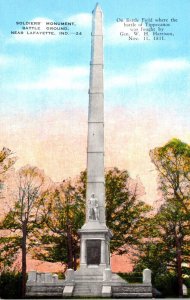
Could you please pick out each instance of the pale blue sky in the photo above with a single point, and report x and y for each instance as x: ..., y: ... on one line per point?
x: 29, y: 61
x: 147, y: 82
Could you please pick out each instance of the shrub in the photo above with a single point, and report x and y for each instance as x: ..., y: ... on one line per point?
x: 166, y: 284
x: 133, y: 277
x: 10, y: 285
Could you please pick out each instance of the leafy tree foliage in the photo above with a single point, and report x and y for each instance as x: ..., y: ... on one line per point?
x: 170, y: 227
x: 9, y: 246
x: 7, y: 160
x: 126, y: 213
x: 63, y: 216
x: 25, y: 216
x: 172, y: 162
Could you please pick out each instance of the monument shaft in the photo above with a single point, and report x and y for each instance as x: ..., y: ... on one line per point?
x: 95, y: 148
x: 95, y: 235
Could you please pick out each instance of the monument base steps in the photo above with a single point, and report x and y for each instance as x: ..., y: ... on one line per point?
x: 87, y: 289
x: 88, y: 282
x: 88, y: 278
x: 132, y: 291
x: 44, y: 290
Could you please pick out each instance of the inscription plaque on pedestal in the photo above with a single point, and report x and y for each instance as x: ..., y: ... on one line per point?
x: 93, y: 248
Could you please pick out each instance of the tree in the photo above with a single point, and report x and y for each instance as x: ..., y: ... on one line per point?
x: 172, y: 161
x: 25, y: 216
x: 126, y: 213
x: 7, y: 160
x: 166, y: 248
x: 63, y: 215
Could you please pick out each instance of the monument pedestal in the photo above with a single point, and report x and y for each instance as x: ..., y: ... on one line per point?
x: 94, y: 259
x: 94, y: 277
x: 95, y: 240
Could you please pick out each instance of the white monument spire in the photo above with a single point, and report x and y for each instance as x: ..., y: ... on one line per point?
x: 95, y: 235
x: 95, y: 151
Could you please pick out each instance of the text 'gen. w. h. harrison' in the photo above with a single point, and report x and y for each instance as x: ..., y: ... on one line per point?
x: 94, y: 277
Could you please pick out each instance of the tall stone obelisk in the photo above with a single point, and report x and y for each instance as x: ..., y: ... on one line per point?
x: 95, y: 235
x: 95, y: 150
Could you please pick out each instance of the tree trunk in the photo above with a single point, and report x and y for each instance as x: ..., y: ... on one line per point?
x: 179, y: 268
x: 74, y: 260
x: 24, y: 235
x: 69, y: 248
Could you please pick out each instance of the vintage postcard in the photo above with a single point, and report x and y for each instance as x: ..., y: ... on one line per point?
x: 45, y: 59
